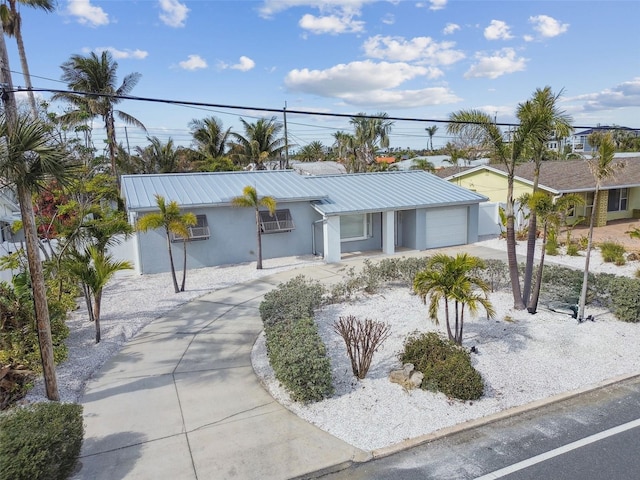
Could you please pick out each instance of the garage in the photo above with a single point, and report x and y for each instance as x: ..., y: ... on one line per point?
x: 446, y: 227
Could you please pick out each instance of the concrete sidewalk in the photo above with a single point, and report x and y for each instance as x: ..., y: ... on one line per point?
x: 181, y: 400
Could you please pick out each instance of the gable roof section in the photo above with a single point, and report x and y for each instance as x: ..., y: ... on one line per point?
x: 206, y: 189
x: 383, y: 191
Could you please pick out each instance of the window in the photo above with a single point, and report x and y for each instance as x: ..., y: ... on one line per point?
x: 200, y: 231
x: 355, y: 227
x: 280, y: 221
x: 617, y: 200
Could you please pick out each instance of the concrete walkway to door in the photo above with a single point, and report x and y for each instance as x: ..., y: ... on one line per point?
x: 181, y: 400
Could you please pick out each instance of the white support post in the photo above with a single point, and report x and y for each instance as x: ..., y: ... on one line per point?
x: 331, y: 237
x: 388, y: 233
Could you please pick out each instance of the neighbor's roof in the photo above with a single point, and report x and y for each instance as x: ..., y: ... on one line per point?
x: 204, y: 189
x: 383, y: 191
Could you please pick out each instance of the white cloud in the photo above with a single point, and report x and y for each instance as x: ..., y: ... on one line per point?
x: 497, y: 30
x: 389, y: 19
x: 496, y: 65
x: 332, y: 24
x: 528, y: 38
x: 244, y: 65
x: 87, y: 13
x: 437, y: 4
x: 419, y: 49
x: 120, y: 54
x: 547, y: 26
x: 370, y: 84
x: 193, y: 62
x: 270, y: 7
x: 626, y: 94
x: 174, y: 13
x: 450, y: 28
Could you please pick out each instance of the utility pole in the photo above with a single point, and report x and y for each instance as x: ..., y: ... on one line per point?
x: 286, y: 138
x: 38, y: 286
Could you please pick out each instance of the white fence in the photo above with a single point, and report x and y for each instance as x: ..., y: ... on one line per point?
x: 489, y: 222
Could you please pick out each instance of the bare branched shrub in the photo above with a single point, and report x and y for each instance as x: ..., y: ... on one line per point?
x: 362, y: 340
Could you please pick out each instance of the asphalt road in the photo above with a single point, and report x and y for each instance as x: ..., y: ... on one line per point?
x: 575, y: 426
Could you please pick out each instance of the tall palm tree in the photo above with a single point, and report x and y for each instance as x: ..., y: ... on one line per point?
x: 431, y: 131
x: 94, y: 269
x: 454, y: 279
x: 544, y: 104
x: 158, y: 157
x: 12, y: 26
x: 97, y: 74
x: 28, y: 159
x: 312, y: 152
x: 370, y: 134
x: 261, y: 141
x: 210, y: 137
x: 250, y: 199
x: 172, y: 221
x: 602, y: 168
x: 480, y: 127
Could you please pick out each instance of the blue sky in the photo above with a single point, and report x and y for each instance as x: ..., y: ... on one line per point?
x: 410, y: 59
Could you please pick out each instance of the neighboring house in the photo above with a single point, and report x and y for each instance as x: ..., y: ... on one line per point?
x: 321, y: 215
x: 326, y: 167
x: 619, y: 197
x: 9, y: 213
x: 440, y: 161
x: 580, y: 140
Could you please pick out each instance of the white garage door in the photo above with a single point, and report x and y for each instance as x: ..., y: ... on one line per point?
x: 446, y: 227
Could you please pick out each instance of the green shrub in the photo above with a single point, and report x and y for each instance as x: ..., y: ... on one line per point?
x: 613, y: 252
x: 446, y: 367
x: 299, y: 359
x: 625, y: 299
x: 295, y: 299
x: 551, y: 247
x: 495, y: 274
x: 41, y: 441
x: 573, y: 250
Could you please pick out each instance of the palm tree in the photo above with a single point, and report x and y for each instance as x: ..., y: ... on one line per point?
x: 480, y: 127
x: 312, y: 152
x: 28, y: 160
x: 370, y: 134
x: 209, y: 137
x: 602, y: 168
x: 95, y: 74
x: 431, y: 131
x: 454, y: 279
x: 173, y: 222
x: 250, y: 199
x: 158, y: 157
x: 12, y: 26
x: 94, y: 269
x: 555, y: 122
x: 422, y: 164
x: 261, y: 141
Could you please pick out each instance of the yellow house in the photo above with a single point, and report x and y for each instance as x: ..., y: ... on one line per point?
x: 619, y: 196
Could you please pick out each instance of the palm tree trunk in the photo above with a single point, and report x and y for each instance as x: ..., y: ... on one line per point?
x: 512, y: 260
x: 87, y: 298
x: 259, y: 264
x: 43, y: 323
x: 171, y: 264
x: 111, y: 142
x: 459, y: 339
x: 585, y: 278
x: 532, y: 306
x: 97, y: 300
x: 446, y: 314
x: 531, y: 245
x: 25, y: 66
x: 184, y: 264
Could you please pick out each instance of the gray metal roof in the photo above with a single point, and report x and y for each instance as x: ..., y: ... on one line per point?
x: 374, y: 192
x: 204, y: 189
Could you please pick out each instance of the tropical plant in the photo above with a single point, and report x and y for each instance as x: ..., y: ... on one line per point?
x: 454, y: 279
x: 422, y: 164
x: 158, y: 157
x: 209, y: 137
x: 541, y: 108
x: 96, y: 75
x: 261, y: 141
x: 602, y: 167
x: 370, y: 134
x: 312, y: 152
x: 172, y: 221
x: 94, y: 269
x: 28, y: 159
x: 343, y: 147
x: 12, y: 26
x: 250, y: 199
x: 431, y: 131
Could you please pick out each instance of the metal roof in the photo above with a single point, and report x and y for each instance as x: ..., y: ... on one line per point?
x: 383, y: 191
x: 204, y: 189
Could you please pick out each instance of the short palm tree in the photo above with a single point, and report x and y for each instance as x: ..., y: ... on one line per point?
x: 422, y: 164
x: 250, y: 199
x: 94, y: 269
x: 453, y: 279
x: 370, y: 134
x: 97, y: 74
x: 312, y: 152
x: 602, y: 168
x: 172, y: 221
x: 158, y: 157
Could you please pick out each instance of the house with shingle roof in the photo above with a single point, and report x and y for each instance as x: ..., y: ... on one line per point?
x: 324, y: 215
x: 619, y: 197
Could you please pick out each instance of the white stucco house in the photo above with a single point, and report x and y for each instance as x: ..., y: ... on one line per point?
x: 325, y: 215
